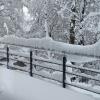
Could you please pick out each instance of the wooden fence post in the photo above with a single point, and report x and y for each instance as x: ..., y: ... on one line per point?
x: 31, y: 60
x: 64, y: 72
x: 7, y: 57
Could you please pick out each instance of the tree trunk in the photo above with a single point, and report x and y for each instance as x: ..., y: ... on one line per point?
x: 72, y: 31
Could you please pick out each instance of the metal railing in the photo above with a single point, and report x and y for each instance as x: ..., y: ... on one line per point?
x: 63, y: 69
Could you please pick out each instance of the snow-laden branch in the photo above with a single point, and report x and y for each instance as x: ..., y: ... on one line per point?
x: 49, y: 44
x: 60, y: 12
x: 91, y: 14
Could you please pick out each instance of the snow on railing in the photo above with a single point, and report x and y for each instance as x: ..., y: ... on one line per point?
x: 91, y: 51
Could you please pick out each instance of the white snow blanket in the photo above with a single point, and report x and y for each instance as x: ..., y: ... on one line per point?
x: 20, y: 86
x: 75, y: 52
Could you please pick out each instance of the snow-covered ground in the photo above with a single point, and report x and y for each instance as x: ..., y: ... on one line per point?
x: 18, y: 86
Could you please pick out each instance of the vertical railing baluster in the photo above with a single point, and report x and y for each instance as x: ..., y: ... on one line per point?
x: 31, y: 67
x: 64, y: 72
x: 8, y: 57
x: 35, y: 59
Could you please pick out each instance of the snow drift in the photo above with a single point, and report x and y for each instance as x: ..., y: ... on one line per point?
x: 49, y: 44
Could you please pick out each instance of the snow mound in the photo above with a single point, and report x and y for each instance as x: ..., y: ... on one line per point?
x: 49, y: 44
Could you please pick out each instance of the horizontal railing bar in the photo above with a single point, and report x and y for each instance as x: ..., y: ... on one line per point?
x: 3, y: 56
x: 81, y: 75
x: 47, y: 67
x: 47, y: 61
x: 19, y: 60
x: 84, y: 68
x: 1, y: 48
x: 19, y: 55
x: 4, y: 52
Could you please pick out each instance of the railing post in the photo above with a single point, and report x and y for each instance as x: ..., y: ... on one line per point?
x: 64, y: 72
x: 31, y: 67
x: 35, y: 59
x: 8, y: 57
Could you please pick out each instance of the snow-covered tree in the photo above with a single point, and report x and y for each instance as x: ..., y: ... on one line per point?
x: 9, y: 14
x: 78, y: 14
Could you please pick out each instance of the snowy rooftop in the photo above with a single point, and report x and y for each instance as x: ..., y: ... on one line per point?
x: 18, y: 86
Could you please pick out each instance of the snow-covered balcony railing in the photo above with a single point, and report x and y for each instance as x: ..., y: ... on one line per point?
x: 30, y: 61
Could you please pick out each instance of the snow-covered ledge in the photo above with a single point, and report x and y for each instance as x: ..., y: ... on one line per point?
x: 19, y: 86
x: 49, y: 44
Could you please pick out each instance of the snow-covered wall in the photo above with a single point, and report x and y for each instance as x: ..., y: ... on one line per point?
x: 49, y: 44
x: 23, y: 87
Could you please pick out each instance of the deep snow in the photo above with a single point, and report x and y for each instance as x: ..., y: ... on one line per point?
x: 75, y: 52
x: 20, y: 86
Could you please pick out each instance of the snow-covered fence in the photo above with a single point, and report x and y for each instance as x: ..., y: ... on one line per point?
x: 61, y: 67
x: 89, y: 52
